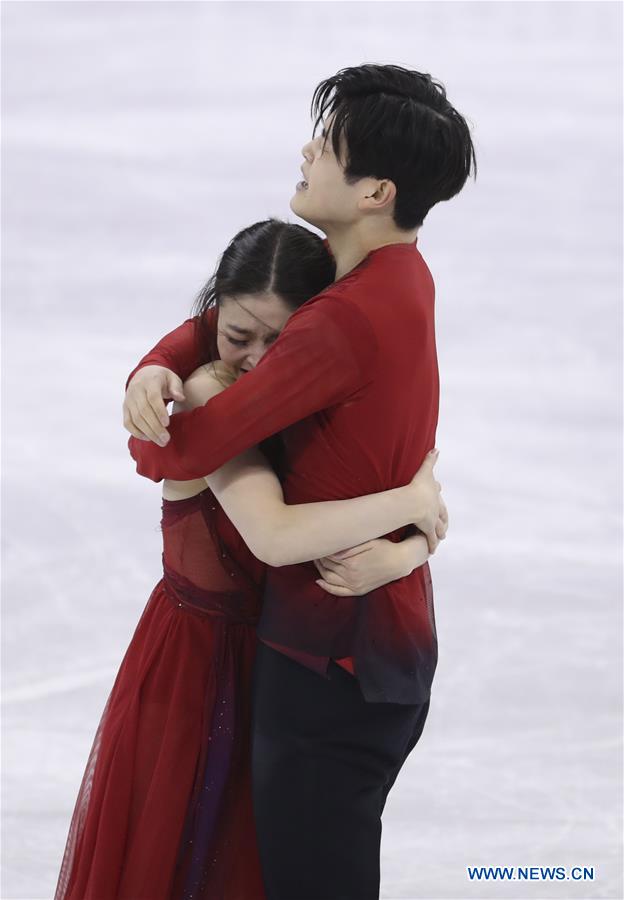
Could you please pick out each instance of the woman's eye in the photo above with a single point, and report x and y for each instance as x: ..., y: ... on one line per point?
x: 236, y: 343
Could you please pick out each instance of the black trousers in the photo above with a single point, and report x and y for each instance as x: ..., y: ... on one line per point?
x: 323, y: 763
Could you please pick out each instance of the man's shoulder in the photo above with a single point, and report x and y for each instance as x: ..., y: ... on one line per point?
x: 332, y: 323
x: 333, y: 308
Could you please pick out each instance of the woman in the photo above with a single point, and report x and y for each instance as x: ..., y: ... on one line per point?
x: 164, y: 809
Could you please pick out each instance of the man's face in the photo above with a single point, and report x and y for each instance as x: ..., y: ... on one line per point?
x: 324, y: 198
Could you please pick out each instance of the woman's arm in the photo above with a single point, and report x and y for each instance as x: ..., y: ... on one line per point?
x: 281, y: 534
x: 363, y: 569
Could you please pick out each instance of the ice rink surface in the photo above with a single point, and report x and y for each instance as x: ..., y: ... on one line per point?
x: 138, y: 138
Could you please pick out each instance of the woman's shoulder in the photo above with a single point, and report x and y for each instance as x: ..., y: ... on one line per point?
x: 207, y: 381
x: 216, y: 370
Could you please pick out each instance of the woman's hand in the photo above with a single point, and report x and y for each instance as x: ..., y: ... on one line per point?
x: 144, y: 411
x: 442, y: 522
x: 361, y: 569
x: 426, y: 501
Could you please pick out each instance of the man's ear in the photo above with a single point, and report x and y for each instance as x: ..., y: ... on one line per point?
x: 379, y: 196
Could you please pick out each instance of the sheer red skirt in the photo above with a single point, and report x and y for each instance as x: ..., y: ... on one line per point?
x: 164, y: 809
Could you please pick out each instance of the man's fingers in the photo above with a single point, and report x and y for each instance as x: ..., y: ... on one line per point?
x: 129, y: 426
x: 151, y: 428
x: 148, y: 429
x: 175, y: 387
x: 156, y: 407
x: 136, y: 408
x: 148, y: 410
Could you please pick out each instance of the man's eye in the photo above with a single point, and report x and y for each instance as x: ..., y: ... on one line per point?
x: 236, y: 343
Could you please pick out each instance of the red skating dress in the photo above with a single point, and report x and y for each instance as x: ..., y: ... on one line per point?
x: 164, y: 809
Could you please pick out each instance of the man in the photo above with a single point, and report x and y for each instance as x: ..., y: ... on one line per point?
x: 352, y: 384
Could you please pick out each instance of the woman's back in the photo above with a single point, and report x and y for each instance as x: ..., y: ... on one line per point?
x: 206, y: 564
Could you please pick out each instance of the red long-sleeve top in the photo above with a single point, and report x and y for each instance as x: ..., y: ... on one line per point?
x: 352, y: 385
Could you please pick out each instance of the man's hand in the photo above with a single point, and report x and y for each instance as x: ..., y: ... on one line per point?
x: 144, y: 409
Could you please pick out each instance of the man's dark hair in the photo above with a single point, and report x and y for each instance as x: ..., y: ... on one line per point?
x: 397, y: 124
x: 271, y: 255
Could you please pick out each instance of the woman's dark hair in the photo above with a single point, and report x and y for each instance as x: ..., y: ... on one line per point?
x: 287, y: 260
x: 397, y: 124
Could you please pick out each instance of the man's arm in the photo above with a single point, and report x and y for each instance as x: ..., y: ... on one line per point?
x: 283, y: 534
x: 177, y: 351
x: 325, y: 354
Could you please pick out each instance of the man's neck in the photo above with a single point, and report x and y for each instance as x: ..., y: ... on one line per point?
x: 351, y: 245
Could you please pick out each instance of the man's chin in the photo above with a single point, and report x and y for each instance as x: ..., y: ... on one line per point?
x: 299, y: 210
x: 295, y: 205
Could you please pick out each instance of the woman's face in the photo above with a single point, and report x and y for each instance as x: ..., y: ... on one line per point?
x: 247, y: 325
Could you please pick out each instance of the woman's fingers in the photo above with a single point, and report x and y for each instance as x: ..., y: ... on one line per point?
x: 432, y: 540
x: 352, y: 551
x: 328, y: 574
x: 329, y: 565
x: 336, y: 590
x: 443, y: 518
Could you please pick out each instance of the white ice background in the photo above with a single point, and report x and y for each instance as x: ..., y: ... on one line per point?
x: 138, y: 138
